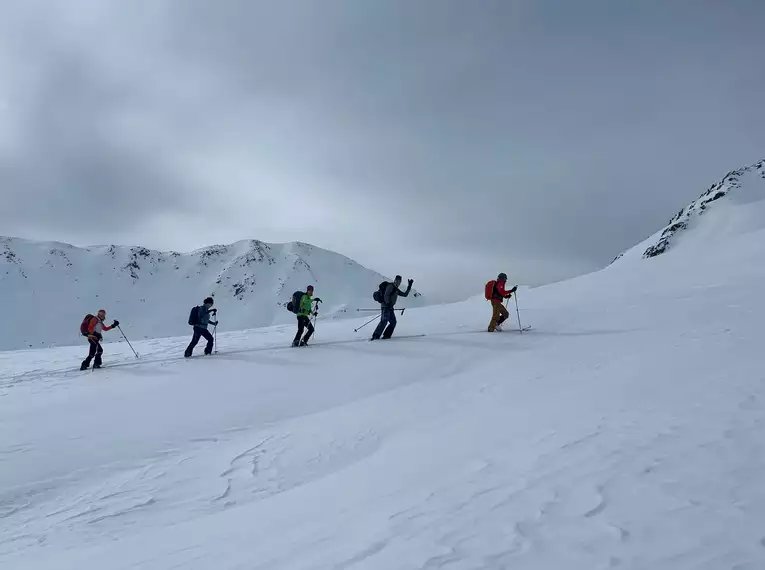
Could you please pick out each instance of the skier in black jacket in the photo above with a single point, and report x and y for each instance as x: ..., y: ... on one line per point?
x: 388, y: 316
x: 200, y: 327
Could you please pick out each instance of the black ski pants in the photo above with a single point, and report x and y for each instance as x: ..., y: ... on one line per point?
x: 95, y: 351
x: 200, y: 332
x: 304, y: 323
x: 387, y: 317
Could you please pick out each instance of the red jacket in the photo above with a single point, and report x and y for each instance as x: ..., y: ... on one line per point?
x: 500, y: 293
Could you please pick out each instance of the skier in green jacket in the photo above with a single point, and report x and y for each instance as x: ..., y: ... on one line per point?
x: 304, y: 317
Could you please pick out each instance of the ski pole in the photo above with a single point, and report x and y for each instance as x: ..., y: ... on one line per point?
x: 518, y: 313
x: 366, y: 323
x: 126, y: 340
x: 315, y: 315
x: 215, y: 333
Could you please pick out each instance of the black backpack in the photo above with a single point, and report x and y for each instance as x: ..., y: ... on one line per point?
x: 379, y: 295
x: 294, y: 305
x: 194, y: 316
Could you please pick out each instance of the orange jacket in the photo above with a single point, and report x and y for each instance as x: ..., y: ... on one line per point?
x: 96, y: 326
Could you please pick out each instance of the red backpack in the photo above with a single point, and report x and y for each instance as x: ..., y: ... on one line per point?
x: 489, y: 293
x: 86, y: 324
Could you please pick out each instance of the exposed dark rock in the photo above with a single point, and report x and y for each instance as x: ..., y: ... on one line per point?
x: 698, y: 207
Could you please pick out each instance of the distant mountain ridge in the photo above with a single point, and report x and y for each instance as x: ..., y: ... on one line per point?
x: 48, y: 286
x: 744, y: 186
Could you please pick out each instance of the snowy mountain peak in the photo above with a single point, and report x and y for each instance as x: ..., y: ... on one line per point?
x: 150, y: 291
x: 733, y: 205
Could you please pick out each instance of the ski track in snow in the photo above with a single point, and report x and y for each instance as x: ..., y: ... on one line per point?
x: 609, y: 436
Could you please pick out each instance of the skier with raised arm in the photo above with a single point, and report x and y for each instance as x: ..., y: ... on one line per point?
x: 387, y: 299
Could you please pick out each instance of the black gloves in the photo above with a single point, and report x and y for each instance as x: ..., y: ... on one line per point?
x: 514, y: 289
x: 115, y: 324
x: 214, y: 311
x: 410, y: 283
x: 316, y: 313
x: 317, y: 300
x: 215, y: 324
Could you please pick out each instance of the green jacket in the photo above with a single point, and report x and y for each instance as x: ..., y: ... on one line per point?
x: 306, y: 306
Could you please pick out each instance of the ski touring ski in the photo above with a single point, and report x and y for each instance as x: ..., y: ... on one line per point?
x: 397, y: 337
x: 350, y: 341
x: 520, y: 330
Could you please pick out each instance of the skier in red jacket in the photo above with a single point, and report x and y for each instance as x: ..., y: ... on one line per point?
x: 496, y: 293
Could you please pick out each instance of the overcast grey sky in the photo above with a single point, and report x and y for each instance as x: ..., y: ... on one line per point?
x: 439, y: 139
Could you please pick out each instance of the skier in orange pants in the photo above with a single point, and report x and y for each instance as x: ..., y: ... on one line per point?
x: 496, y: 293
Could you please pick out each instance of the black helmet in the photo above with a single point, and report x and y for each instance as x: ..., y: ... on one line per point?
x: 209, y: 301
x: 502, y: 277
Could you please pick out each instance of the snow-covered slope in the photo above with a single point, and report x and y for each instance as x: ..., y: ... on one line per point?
x: 623, y: 431
x: 732, y: 205
x: 48, y: 287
